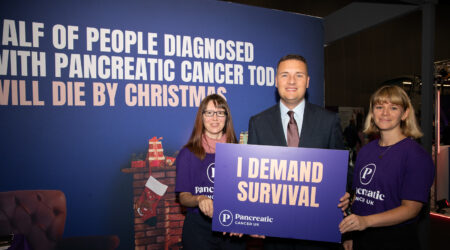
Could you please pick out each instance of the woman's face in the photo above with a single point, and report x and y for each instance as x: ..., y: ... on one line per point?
x: 214, y: 120
x: 388, y: 116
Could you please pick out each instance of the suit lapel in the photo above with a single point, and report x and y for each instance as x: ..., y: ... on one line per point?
x: 308, y: 124
x: 277, y: 126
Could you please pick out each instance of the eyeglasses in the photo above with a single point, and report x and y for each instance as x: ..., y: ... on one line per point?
x: 210, y: 113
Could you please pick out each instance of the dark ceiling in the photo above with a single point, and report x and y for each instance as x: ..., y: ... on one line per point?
x: 357, y: 64
x: 320, y: 8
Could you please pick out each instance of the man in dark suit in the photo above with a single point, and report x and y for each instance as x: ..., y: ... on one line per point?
x: 314, y: 127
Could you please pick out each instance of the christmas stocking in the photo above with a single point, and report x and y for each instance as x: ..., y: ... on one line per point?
x: 146, y: 206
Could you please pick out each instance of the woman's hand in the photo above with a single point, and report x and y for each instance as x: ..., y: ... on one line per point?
x: 344, y: 202
x: 352, y: 223
x: 406, y: 211
x: 206, y: 205
x: 234, y: 234
x: 241, y: 234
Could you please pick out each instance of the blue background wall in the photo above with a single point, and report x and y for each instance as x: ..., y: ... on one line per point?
x: 81, y: 149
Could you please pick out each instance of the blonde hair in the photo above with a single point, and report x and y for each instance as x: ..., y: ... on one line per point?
x: 398, y: 96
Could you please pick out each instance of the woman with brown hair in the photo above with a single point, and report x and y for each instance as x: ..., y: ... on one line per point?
x: 195, y: 175
x: 392, y: 178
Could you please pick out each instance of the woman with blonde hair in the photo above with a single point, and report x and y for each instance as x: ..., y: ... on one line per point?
x: 195, y: 175
x: 392, y: 179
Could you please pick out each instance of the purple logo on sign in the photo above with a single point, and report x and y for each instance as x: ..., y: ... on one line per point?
x: 367, y: 173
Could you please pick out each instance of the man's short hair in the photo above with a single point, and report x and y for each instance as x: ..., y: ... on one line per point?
x: 292, y: 57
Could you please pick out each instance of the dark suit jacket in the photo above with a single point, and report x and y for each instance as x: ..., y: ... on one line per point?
x: 321, y: 128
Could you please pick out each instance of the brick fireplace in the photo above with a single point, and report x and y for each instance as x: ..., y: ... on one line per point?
x: 166, y: 234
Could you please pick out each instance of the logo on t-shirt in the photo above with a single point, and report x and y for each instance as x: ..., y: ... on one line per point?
x: 367, y: 173
x: 210, y: 172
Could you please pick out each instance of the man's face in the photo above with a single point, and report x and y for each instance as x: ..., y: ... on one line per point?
x: 292, y: 80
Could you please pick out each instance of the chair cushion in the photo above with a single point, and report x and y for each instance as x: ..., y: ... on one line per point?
x: 37, y: 214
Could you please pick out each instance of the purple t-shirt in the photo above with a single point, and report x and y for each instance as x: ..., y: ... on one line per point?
x: 194, y: 175
x: 384, y: 176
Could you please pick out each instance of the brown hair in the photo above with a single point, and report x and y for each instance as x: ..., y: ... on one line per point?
x: 292, y: 57
x: 398, y: 96
x: 195, y: 141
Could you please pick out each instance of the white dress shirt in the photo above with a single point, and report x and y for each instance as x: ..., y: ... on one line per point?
x: 299, y: 110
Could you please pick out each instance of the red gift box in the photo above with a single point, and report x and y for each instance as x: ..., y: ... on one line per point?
x: 155, y: 154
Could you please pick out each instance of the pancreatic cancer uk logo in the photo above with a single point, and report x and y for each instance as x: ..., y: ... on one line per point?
x: 225, y: 218
x: 210, y: 172
x: 367, y: 173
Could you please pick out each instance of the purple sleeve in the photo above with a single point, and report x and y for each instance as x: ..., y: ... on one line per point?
x: 418, y: 176
x: 183, y: 178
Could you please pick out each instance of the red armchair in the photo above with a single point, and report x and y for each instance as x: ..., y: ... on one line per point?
x: 40, y: 216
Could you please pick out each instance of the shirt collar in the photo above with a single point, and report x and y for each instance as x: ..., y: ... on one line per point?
x: 298, y: 110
